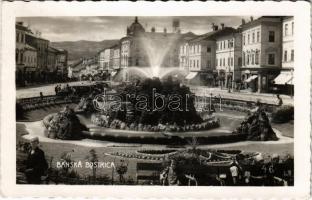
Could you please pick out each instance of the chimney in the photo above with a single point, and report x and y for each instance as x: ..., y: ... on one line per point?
x: 214, y: 27
x: 243, y: 22
x: 153, y: 29
x: 222, y: 25
x: 251, y: 18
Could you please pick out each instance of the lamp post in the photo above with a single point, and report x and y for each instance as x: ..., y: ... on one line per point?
x: 220, y: 102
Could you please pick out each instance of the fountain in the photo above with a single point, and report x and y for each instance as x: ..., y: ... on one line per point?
x: 158, y: 107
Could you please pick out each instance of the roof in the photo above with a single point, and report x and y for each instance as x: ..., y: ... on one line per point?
x: 206, y: 36
x: 51, y: 49
x: 225, y: 31
x: 28, y: 47
x: 258, y: 21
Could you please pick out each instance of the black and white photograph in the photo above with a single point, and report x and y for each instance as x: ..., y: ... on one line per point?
x: 173, y: 101
x: 157, y: 100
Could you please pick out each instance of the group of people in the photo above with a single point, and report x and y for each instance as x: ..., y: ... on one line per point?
x: 63, y: 89
x: 274, y: 172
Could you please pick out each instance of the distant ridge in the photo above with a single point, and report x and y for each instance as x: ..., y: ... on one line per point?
x: 83, y: 48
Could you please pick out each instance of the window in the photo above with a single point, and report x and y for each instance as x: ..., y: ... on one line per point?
x: 285, y: 56
x: 208, y: 49
x: 232, y: 61
x: 271, y: 59
x: 244, y: 39
x: 248, y: 39
x: 292, y: 28
x: 292, y: 55
x: 248, y: 59
x: 231, y: 43
x: 271, y: 36
x: 223, y: 61
x: 253, y: 59
x: 286, y: 30
x: 258, y: 36
x: 197, y: 63
x: 17, y: 36
x: 21, y: 57
x: 257, y: 58
x: 243, y: 58
x: 229, y: 62
x: 239, y: 61
x: 253, y: 37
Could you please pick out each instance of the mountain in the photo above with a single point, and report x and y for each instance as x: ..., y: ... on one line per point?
x: 83, y: 48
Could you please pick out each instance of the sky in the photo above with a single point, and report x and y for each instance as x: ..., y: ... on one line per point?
x: 58, y: 29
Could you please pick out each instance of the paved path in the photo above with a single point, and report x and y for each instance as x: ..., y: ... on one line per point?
x: 243, y: 95
x: 198, y: 90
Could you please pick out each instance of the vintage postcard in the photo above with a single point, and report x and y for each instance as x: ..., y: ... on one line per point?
x: 142, y: 99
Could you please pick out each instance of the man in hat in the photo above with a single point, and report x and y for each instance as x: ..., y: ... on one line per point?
x: 36, y: 164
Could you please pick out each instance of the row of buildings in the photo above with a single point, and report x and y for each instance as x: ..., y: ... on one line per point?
x: 258, y: 55
x: 36, y: 60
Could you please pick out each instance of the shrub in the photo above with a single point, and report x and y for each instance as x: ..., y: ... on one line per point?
x: 283, y: 114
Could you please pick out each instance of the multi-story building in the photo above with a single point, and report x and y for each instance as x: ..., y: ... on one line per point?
x: 125, y: 52
x: 61, y: 62
x: 184, y: 56
x: 115, y: 60
x: 201, y: 59
x: 228, y: 55
x: 25, y: 56
x: 108, y: 59
x: 261, y: 52
x: 285, y: 79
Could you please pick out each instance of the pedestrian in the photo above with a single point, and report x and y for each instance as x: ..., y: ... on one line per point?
x: 234, y: 173
x: 41, y: 96
x: 36, y: 164
x: 279, y: 100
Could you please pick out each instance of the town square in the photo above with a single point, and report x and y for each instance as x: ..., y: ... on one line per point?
x: 146, y: 100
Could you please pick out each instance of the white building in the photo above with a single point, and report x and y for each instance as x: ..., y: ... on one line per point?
x: 108, y: 55
x: 184, y: 56
x: 285, y: 78
x: 228, y: 55
x: 262, y: 52
x: 125, y: 52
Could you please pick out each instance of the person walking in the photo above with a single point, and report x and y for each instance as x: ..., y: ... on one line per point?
x: 36, y: 164
x: 234, y: 173
x: 279, y: 100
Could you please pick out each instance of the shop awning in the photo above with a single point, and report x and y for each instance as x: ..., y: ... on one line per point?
x: 251, y: 78
x: 283, y: 78
x: 191, y: 75
x: 113, y: 73
x: 30, y: 69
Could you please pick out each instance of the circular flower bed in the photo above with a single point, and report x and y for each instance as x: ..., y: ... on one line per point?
x: 104, y: 121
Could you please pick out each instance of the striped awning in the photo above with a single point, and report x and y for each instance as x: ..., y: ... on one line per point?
x: 284, y: 78
x: 251, y: 78
x: 191, y: 75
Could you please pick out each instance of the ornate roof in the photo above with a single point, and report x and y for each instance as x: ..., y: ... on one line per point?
x: 135, y: 28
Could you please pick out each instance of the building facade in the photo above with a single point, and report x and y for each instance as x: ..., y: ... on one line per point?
x: 228, y: 56
x: 284, y: 80
x: 261, y: 52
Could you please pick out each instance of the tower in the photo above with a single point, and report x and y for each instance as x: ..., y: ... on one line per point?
x: 176, y: 25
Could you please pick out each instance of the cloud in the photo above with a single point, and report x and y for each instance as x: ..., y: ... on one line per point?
x: 114, y: 27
